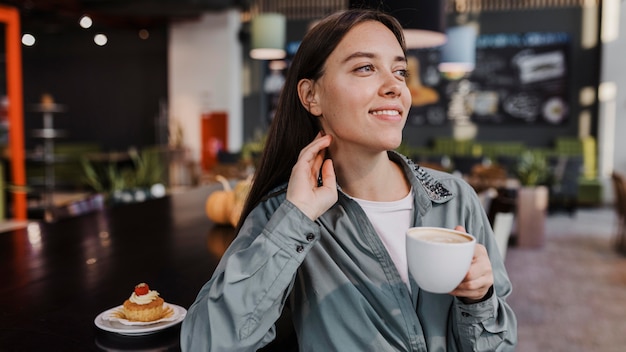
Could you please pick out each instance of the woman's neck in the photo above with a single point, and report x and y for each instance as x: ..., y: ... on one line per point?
x: 370, y: 177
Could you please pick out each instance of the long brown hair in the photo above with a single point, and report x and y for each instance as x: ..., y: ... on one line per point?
x: 293, y: 127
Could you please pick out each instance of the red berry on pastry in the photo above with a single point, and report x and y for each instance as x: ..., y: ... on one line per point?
x: 141, y: 289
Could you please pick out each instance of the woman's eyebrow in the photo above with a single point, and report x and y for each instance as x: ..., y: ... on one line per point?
x: 361, y: 54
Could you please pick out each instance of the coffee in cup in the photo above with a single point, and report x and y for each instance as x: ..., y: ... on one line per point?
x: 438, y: 258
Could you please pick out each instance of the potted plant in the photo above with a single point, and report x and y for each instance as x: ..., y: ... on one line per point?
x: 142, y: 181
x: 532, y: 169
x: 532, y: 199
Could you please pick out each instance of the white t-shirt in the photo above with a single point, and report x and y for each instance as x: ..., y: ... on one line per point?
x: 391, y: 220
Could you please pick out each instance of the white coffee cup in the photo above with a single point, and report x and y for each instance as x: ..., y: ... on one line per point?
x: 438, y: 258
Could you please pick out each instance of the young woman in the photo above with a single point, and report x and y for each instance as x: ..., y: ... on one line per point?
x: 324, y: 225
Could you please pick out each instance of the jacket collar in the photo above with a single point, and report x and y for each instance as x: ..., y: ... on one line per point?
x: 427, y: 188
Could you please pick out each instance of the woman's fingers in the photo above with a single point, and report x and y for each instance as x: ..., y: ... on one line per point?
x: 303, y: 190
x: 479, y: 278
x: 329, y: 179
x: 311, y: 151
x: 310, y: 160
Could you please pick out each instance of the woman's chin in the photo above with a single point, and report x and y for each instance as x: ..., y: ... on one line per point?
x: 393, y: 143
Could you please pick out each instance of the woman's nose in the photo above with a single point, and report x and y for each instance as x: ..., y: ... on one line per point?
x: 391, y: 85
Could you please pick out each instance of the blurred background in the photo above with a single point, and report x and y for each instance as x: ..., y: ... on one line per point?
x: 178, y: 78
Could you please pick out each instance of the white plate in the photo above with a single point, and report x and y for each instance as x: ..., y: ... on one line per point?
x: 108, y: 322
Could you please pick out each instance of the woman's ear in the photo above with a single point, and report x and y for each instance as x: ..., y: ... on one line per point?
x: 306, y: 93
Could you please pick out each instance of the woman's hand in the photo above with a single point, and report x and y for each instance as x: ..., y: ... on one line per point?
x: 479, y: 277
x: 303, y: 190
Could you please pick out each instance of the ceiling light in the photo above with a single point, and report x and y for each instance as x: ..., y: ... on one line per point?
x: 28, y: 39
x: 268, y: 32
x: 100, y: 39
x: 458, y: 55
x: 85, y: 21
x: 423, y: 21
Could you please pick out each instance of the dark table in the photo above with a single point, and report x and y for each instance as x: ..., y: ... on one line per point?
x: 55, y: 281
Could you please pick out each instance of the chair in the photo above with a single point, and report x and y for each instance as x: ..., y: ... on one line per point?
x: 486, y: 197
x: 502, y: 223
x: 565, y: 177
x: 502, y: 226
x: 619, y: 187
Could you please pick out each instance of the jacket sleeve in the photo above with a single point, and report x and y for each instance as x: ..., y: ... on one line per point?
x: 237, y: 308
x: 490, y: 325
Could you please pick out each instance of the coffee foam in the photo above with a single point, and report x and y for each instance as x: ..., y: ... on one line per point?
x: 440, y: 236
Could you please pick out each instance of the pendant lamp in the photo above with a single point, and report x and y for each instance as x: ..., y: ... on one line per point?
x: 268, y: 32
x: 458, y: 55
x: 423, y: 21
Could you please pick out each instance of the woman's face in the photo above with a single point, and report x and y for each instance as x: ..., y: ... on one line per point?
x: 362, y: 98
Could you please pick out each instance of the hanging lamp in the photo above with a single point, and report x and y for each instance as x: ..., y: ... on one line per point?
x: 268, y: 33
x: 458, y: 55
x: 423, y: 21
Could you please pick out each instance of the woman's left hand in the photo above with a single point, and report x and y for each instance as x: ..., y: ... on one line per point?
x: 479, y: 277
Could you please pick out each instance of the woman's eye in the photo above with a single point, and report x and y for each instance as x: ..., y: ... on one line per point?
x: 404, y: 73
x: 366, y: 68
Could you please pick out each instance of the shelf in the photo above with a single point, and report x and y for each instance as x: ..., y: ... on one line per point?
x: 54, y: 108
x: 49, y: 133
x: 54, y: 159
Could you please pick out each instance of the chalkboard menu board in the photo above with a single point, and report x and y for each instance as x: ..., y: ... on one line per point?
x: 519, y: 78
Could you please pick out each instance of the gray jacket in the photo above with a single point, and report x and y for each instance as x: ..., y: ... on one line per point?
x: 343, y: 288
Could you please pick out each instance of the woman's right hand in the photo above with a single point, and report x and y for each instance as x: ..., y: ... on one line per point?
x: 303, y: 190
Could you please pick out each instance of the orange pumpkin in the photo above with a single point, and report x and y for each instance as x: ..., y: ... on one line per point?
x: 219, y: 204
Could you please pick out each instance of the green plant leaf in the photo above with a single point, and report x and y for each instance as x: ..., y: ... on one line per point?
x: 532, y: 169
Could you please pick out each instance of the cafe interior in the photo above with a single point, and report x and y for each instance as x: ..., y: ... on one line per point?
x: 130, y: 131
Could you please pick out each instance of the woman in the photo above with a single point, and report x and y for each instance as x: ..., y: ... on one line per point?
x: 324, y: 224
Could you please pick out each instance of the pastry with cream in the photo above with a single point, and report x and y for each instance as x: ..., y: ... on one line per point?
x: 144, y: 305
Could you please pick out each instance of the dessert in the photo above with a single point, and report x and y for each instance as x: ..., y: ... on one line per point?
x: 144, y: 305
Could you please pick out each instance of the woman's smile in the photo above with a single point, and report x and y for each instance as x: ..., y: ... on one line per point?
x: 387, y: 114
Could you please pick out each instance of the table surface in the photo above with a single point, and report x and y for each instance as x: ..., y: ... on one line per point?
x: 57, y: 279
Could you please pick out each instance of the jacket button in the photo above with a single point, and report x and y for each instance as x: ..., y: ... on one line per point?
x: 310, y: 237
x: 300, y: 248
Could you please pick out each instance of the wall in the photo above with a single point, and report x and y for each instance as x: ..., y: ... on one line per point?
x: 114, y: 95
x: 111, y: 93
x: 205, y: 73
x: 612, y: 143
x: 582, y: 72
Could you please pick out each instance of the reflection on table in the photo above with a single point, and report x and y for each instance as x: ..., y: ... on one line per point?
x: 57, y: 277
